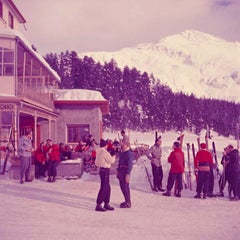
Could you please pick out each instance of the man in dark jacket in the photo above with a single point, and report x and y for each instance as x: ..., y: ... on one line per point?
x: 233, y: 160
x: 176, y: 159
x: 124, y: 169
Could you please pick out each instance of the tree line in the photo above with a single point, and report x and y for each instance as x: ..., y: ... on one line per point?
x: 138, y: 101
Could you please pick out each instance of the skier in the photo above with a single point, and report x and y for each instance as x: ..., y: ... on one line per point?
x: 225, y: 176
x: 104, y: 161
x: 53, y: 160
x: 202, y: 162
x: 155, y: 154
x: 25, y: 150
x: 176, y: 159
x: 123, y: 173
x: 233, y: 160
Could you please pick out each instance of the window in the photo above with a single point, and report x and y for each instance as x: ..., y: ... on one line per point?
x: 10, y: 20
x: 6, y: 121
x: 75, y: 132
x: 6, y: 62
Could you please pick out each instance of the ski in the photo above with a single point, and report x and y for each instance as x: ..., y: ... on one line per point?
x: 215, y: 158
x: 189, y: 176
x: 148, y: 176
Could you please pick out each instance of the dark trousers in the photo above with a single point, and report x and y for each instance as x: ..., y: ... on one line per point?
x: 236, y: 184
x: 203, y: 182
x: 171, y: 179
x: 52, y: 168
x: 105, y: 189
x: 25, y: 167
x: 124, y: 185
x: 225, y: 177
x: 40, y: 169
x: 211, y: 181
x: 157, y: 176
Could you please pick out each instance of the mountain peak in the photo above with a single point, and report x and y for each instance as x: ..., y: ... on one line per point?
x: 190, y: 62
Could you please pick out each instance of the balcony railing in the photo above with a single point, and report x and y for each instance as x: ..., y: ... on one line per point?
x: 39, y: 95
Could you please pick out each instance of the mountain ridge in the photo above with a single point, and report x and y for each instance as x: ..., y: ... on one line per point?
x: 191, y: 62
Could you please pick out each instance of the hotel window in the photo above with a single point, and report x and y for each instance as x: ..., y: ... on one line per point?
x: 76, y: 132
x: 6, y: 62
x: 10, y: 20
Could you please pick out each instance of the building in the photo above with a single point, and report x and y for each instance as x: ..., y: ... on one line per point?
x: 30, y: 97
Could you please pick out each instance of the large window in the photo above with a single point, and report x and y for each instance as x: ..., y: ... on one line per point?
x: 6, y: 62
x: 76, y: 132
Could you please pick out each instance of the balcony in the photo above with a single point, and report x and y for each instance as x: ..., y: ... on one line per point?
x: 34, y: 90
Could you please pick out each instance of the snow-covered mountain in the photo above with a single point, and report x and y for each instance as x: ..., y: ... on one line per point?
x: 191, y: 62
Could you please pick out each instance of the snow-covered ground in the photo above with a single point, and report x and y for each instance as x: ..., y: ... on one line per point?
x: 65, y: 209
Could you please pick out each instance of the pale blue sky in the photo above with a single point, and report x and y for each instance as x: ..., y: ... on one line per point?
x: 109, y: 25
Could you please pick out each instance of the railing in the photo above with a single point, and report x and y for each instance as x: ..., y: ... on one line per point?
x: 35, y: 94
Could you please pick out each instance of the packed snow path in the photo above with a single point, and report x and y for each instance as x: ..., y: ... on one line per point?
x: 64, y: 210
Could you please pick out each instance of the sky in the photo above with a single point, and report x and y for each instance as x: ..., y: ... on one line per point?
x: 109, y: 25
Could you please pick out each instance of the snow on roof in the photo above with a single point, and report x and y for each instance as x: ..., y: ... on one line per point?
x: 14, y: 33
x: 78, y: 95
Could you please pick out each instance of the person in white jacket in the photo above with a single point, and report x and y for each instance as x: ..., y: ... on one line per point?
x: 104, y: 161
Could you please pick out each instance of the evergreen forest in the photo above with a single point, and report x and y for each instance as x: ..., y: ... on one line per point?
x: 140, y: 102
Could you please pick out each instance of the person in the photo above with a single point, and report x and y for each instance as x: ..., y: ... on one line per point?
x: 176, y: 159
x: 124, y: 169
x: 225, y: 176
x: 65, y: 152
x: 154, y: 155
x: 40, y: 160
x: 25, y: 150
x: 202, y: 163
x: 125, y: 138
x: 53, y: 160
x: 104, y: 161
x: 233, y: 160
x: 81, y: 147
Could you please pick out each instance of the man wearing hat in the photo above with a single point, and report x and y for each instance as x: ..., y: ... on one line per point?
x: 104, y: 161
x: 124, y: 169
x: 202, y: 162
x: 154, y: 155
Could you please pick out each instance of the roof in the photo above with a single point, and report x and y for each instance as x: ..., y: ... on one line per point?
x: 10, y: 33
x: 16, y: 11
x: 82, y: 97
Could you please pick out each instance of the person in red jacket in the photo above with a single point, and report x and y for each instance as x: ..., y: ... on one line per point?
x: 40, y: 160
x: 176, y: 159
x: 53, y: 160
x: 202, y: 162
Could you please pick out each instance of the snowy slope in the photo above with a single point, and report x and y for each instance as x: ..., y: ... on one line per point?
x: 192, y: 62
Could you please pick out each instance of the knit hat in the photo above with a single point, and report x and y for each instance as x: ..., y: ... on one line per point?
x: 103, y: 143
x: 203, y: 145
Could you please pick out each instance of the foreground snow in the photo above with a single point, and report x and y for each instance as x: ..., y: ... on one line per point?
x: 65, y: 209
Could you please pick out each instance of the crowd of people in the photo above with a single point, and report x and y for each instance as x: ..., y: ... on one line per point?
x: 48, y: 155
x: 203, y: 166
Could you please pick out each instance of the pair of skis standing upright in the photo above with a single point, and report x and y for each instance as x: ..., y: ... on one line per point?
x: 214, y: 153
